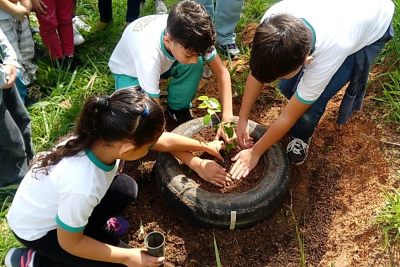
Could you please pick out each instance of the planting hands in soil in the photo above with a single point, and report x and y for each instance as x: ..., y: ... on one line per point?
x: 243, y: 137
x: 214, y: 147
x: 246, y: 160
x: 140, y: 258
x: 213, y: 173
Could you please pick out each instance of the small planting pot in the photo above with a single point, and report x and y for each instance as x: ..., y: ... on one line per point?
x: 155, y: 243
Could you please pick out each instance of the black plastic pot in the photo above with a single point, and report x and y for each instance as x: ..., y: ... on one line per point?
x: 226, y: 211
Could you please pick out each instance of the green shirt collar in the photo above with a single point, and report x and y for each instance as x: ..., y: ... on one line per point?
x: 314, y: 37
x: 97, y: 162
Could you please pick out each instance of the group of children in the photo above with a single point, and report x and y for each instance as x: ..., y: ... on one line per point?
x: 69, y: 193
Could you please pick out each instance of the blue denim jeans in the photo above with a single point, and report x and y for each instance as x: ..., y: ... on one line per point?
x: 16, y: 147
x: 227, y: 15
x: 305, y: 125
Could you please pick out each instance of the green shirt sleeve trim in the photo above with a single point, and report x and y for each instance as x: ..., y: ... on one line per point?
x: 69, y: 228
x: 308, y: 102
x: 153, y: 95
x: 213, y: 56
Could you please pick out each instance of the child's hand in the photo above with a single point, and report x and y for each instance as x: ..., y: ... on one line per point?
x: 214, y: 147
x: 246, y: 160
x: 140, y: 258
x: 39, y: 7
x: 243, y: 138
x: 28, y: 6
x: 20, y: 12
x: 221, y: 134
x: 11, y: 76
x: 213, y: 173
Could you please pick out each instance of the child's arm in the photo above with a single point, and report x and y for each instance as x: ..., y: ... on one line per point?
x: 86, y: 247
x: 27, y: 4
x: 225, y: 93
x: 251, y: 92
x: 208, y: 170
x: 169, y: 142
x: 17, y: 10
x: 247, y: 159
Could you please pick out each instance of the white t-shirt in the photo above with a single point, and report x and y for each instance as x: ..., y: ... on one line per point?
x: 141, y: 53
x: 342, y: 27
x: 65, y: 197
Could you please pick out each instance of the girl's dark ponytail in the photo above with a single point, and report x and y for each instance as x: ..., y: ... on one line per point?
x: 129, y: 114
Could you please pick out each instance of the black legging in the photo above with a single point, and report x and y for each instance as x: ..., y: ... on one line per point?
x: 106, y: 14
x: 122, y: 191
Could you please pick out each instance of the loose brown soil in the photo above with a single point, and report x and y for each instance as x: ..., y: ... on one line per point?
x: 334, y: 196
x: 237, y: 186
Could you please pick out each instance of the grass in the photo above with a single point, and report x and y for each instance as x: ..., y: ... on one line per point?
x: 217, y: 253
x: 298, y: 234
x: 389, y: 216
x: 389, y: 59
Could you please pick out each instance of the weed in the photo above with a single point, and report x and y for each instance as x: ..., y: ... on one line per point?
x: 217, y: 253
x: 301, y: 242
x: 389, y: 215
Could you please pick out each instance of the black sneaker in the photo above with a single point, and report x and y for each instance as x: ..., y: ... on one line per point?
x: 17, y: 257
x: 297, y: 150
x: 230, y: 50
x: 180, y: 116
x: 67, y: 63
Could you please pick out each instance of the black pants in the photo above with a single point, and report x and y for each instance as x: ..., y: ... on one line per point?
x: 16, y: 147
x: 132, y: 11
x: 122, y: 191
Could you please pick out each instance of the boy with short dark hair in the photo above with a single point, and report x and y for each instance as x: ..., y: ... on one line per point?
x: 174, y: 45
x: 315, y: 53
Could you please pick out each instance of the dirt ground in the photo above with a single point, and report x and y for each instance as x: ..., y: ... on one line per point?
x: 334, y: 196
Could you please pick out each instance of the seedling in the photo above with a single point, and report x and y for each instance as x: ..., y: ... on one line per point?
x: 213, y: 106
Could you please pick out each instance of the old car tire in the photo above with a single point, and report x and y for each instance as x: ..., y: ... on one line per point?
x: 230, y: 210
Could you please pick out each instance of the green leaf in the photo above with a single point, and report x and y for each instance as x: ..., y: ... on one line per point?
x: 217, y: 253
x: 202, y: 98
x: 203, y: 105
x: 211, y: 111
x: 230, y: 146
x: 214, y: 103
x: 206, y: 119
x: 229, y: 131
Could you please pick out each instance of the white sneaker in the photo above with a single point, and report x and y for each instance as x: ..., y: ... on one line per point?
x: 80, y: 25
x: 160, y: 7
x: 78, y: 38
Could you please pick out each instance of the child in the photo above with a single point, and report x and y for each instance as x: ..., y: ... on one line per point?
x: 15, y: 26
x: 15, y: 132
x: 70, y: 192
x: 174, y: 45
x: 314, y: 53
x: 55, y: 26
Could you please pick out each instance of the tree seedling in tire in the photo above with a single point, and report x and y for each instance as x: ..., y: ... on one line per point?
x: 213, y: 106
